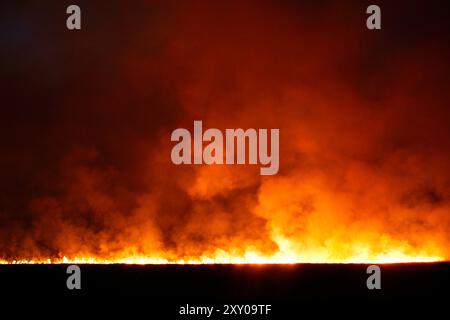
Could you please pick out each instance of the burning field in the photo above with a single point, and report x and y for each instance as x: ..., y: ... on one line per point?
x: 86, y: 118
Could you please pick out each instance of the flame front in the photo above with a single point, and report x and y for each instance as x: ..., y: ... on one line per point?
x: 363, y: 254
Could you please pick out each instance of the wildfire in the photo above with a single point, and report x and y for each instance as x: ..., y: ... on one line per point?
x: 362, y: 166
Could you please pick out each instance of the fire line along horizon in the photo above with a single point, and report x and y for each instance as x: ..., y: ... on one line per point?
x: 232, y: 144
